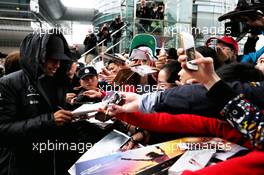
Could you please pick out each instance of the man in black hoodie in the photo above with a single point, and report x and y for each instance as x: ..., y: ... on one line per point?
x: 30, y: 106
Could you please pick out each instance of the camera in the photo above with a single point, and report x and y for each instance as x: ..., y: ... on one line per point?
x: 236, y: 28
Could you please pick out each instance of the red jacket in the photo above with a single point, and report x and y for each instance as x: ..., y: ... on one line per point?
x: 195, y: 125
x: 185, y: 124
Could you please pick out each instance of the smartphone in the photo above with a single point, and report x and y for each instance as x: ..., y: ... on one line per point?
x: 187, y: 43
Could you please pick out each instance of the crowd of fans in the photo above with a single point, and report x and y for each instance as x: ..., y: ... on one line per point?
x: 96, y: 43
x: 43, y: 83
x: 149, y: 15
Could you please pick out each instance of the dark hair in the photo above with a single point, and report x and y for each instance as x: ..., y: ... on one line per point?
x: 209, y: 52
x: 172, y: 70
x: 2, y: 71
x: 243, y: 72
x: 2, y: 55
x: 12, y: 62
x: 114, y: 62
x: 172, y: 54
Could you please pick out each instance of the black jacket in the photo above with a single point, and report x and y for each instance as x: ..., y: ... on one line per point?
x: 115, y: 25
x: 144, y: 12
x: 90, y: 42
x: 26, y: 111
x: 192, y: 99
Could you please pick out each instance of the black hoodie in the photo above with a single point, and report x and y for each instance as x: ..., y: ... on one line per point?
x: 26, y: 111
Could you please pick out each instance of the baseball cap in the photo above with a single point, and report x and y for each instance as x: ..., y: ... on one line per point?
x: 55, y: 48
x: 144, y: 40
x: 86, y: 71
x: 225, y: 39
x: 245, y: 7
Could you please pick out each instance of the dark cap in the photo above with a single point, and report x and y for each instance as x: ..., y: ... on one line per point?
x: 245, y: 7
x: 55, y: 49
x: 86, y: 71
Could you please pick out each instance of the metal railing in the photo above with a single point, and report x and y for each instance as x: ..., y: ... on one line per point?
x: 111, y: 47
x: 101, y: 42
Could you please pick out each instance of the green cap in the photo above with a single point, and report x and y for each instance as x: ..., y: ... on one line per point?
x: 144, y: 40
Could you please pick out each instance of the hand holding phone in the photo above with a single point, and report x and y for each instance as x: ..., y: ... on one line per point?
x: 187, y: 43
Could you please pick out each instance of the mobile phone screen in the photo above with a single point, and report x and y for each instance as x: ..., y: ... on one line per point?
x: 187, y: 43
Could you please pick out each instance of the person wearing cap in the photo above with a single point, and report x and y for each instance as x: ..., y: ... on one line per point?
x: 226, y: 47
x: 31, y: 107
x: 252, y: 13
x: 148, y: 44
x: 143, y: 52
x: 89, y: 91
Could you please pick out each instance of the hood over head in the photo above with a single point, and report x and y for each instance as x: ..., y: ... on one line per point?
x: 33, y: 52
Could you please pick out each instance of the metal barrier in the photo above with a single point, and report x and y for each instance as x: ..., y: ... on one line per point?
x: 100, y: 43
x: 111, y: 47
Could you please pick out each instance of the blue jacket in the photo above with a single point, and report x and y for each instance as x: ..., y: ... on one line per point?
x: 253, y: 56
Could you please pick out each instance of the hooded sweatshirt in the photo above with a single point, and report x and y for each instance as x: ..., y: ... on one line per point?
x: 26, y: 111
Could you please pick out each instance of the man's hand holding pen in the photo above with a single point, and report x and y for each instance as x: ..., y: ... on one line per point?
x: 62, y: 116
